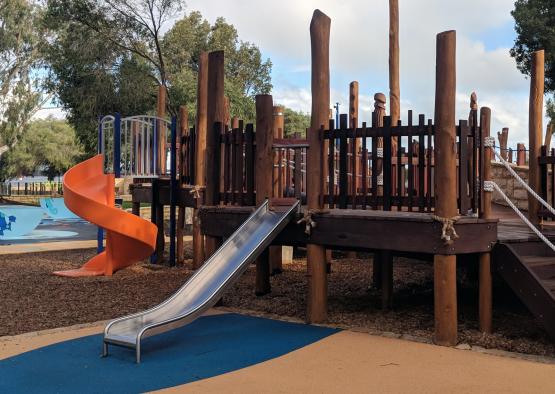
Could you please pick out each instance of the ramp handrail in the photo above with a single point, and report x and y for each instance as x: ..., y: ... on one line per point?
x: 489, y: 186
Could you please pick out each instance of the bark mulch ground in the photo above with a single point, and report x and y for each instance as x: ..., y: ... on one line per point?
x: 31, y: 298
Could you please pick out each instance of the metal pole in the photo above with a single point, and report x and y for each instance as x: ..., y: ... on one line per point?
x: 173, y: 188
x: 100, y: 230
x: 117, y: 145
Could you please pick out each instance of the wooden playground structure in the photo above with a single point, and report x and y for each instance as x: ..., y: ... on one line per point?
x: 418, y: 189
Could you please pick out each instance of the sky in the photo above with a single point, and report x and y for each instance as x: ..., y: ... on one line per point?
x: 359, y: 52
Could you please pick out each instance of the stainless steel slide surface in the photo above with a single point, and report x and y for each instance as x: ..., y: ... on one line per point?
x: 206, y: 286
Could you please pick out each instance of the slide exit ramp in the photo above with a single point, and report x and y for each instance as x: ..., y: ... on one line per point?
x: 207, y: 285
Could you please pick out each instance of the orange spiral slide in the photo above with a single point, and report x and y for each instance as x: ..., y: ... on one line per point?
x: 89, y: 193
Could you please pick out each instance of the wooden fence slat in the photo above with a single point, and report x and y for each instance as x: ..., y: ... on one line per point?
x: 421, y: 164
x: 387, y: 164
x: 249, y: 164
x: 464, y: 196
x: 331, y: 164
x: 399, y: 168
x: 364, y: 168
x: 410, y: 166
x: 343, y: 163
x: 430, y: 157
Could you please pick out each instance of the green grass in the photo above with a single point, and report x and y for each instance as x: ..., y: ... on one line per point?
x: 128, y: 204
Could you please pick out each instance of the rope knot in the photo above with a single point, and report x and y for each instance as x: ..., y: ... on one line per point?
x: 448, y: 233
x: 309, y: 223
x: 489, y: 186
x: 196, y: 191
x: 489, y: 142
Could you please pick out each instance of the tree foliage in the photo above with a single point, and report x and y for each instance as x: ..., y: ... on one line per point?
x: 295, y: 121
x: 534, y: 21
x: 109, y: 56
x: 21, y: 36
x: 49, y: 146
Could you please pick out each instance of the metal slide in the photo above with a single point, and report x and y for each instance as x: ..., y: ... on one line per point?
x: 206, y: 286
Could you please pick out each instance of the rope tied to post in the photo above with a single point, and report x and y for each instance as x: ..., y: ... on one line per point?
x: 196, y: 191
x: 448, y: 233
x: 488, y: 186
x: 307, y: 219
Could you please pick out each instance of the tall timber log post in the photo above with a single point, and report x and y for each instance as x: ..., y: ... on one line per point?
x: 394, y: 84
x: 485, y: 289
x: 320, y: 85
x: 264, y: 166
x: 445, y: 275
x: 200, y: 152
x: 215, y: 115
x: 535, y: 129
x: 378, y: 118
x: 183, y: 131
x: 353, y: 147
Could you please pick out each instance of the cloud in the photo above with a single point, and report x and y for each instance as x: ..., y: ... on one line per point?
x: 56, y: 113
x: 359, y: 51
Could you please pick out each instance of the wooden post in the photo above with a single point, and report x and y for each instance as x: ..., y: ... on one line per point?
x: 379, y: 110
x: 394, y: 85
x: 354, y: 146
x: 215, y: 113
x: 485, y: 287
x: 445, y: 274
x: 184, y: 130
x: 535, y: 128
x: 264, y: 167
x: 320, y: 82
x: 161, y: 165
x: 503, y: 138
x: 200, y: 151
x: 520, y: 154
x: 234, y: 123
x: 278, y: 254
x: 227, y: 111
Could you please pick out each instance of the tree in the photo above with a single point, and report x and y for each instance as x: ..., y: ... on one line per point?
x: 49, y: 146
x: 100, y: 65
x: 295, y: 121
x: 21, y: 37
x: 534, y: 21
x: 247, y: 74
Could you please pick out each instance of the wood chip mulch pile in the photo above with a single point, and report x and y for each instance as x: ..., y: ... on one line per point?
x: 33, y: 299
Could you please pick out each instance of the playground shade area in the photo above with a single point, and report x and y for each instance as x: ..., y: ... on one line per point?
x: 33, y: 299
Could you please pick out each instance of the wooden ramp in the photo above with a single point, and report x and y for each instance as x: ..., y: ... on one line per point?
x: 528, y: 266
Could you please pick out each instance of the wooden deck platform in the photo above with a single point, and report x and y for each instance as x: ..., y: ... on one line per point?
x: 404, y: 232
x: 512, y: 229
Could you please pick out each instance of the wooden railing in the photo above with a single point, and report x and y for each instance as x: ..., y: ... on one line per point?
x: 403, y: 154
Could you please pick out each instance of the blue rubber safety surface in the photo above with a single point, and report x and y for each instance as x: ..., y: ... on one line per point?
x: 210, y: 346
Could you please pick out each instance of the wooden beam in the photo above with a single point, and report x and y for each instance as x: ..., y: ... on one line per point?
x: 320, y: 85
x: 535, y: 129
x: 445, y: 267
x: 355, y: 145
x: 200, y: 151
x: 183, y: 131
x: 345, y: 229
x: 161, y: 113
x: 485, y: 281
x: 264, y: 167
x: 215, y: 114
